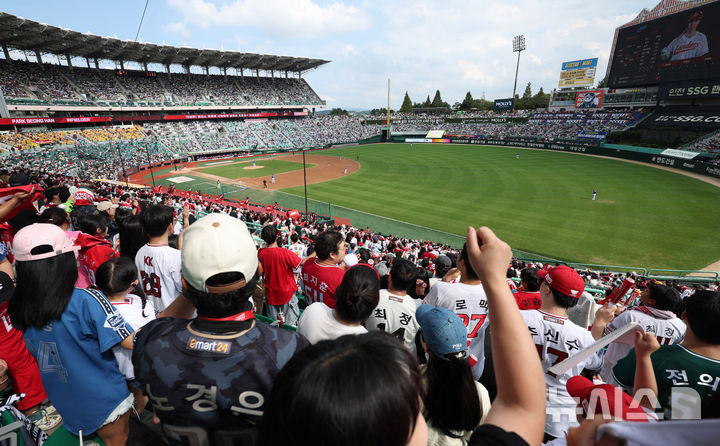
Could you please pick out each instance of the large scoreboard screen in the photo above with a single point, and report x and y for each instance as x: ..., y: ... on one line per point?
x: 135, y: 73
x: 681, y: 46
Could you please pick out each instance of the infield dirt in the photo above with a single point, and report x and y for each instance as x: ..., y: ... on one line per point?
x: 325, y: 168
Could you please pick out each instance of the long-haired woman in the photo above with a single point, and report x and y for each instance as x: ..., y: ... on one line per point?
x: 71, y: 333
x: 455, y: 403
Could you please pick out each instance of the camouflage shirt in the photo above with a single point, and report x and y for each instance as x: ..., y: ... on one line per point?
x: 203, y: 383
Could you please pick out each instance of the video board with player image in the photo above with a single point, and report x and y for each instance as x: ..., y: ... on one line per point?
x: 682, y: 46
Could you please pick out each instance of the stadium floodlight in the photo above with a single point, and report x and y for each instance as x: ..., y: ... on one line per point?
x: 518, y: 47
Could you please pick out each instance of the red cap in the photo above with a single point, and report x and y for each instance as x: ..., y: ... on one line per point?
x: 606, y: 400
x: 564, y: 280
x: 696, y: 15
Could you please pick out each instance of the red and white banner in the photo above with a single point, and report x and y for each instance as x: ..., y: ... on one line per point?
x: 26, y: 121
x: 29, y: 203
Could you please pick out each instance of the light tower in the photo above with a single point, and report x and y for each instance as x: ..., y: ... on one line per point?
x: 518, y: 47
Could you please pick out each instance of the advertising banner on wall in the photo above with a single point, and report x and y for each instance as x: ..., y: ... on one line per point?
x: 578, y: 73
x: 589, y: 99
x: 697, y: 89
x: 504, y: 104
x: 591, y: 134
x: 707, y: 118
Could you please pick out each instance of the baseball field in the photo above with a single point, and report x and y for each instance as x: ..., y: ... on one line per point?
x: 540, y: 203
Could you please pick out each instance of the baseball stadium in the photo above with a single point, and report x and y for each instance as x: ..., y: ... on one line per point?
x: 618, y: 179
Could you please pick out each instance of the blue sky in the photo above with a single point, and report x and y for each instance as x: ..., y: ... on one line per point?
x: 421, y: 45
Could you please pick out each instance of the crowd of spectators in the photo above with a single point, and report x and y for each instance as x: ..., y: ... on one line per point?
x: 709, y: 143
x: 86, y: 149
x: 543, y: 126
x: 96, y: 84
x: 33, y: 140
x: 111, y: 133
x: 22, y: 81
x: 405, y: 322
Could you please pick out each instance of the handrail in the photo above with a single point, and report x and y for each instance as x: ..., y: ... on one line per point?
x: 594, y: 266
x: 686, y: 275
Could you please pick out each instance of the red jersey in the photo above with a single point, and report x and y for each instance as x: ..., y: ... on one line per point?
x: 94, y: 251
x: 428, y: 255
x: 528, y: 300
x: 7, y: 233
x: 278, y: 264
x: 23, y: 367
x: 321, y: 281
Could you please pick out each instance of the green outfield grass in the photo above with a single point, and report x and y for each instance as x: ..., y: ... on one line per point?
x: 237, y: 170
x: 643, y: 216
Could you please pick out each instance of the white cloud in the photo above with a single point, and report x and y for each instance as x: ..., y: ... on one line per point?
x: 422, y: 45
x: 292, y: 18
x: 178, y: 28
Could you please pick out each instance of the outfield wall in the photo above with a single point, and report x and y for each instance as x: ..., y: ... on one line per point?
x: 652, y: 158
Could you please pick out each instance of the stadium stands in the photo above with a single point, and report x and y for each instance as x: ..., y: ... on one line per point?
x: 180, y: 138
x: 26, y: 82
x: 709, y: 143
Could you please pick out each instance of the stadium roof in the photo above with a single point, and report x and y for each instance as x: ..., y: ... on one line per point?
x: 23, y: 34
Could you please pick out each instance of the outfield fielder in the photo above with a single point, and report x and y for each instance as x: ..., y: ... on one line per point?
x: 594, y: 193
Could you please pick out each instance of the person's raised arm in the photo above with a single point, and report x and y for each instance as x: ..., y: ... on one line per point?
x: 645, y: 345
x: 16, y: 199
x: 520, y: 403
x: 603, y: 317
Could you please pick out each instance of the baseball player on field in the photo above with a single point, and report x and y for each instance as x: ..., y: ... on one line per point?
x: 557, y: 338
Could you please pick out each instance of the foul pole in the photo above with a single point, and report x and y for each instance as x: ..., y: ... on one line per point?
x: 388, y: 112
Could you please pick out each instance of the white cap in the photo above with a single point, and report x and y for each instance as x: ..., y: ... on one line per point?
x: 214, y: 244
x: 350, y: 260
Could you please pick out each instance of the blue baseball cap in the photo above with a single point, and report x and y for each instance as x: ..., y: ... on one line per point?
x: 443, y: 331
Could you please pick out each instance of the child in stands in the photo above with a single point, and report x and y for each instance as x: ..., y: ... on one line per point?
x: 117, y: 279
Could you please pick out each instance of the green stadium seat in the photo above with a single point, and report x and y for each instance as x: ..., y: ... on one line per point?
x: 63, y: 437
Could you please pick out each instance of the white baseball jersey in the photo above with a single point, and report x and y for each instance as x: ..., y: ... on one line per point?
x: 159, y: 271
x: 299, y: 249
x: 684, y: 47
x: 667, y: 327
x: 396, y: 315
x: 557, y: 338
x: 132, y: 311
x: 317, y: 323
x: 470, y: 303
